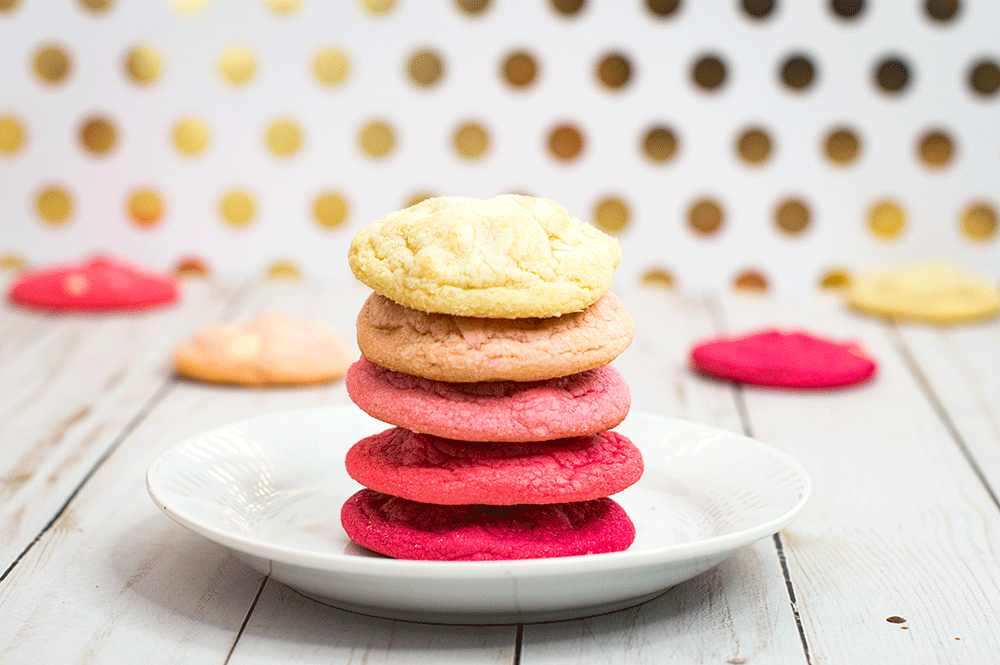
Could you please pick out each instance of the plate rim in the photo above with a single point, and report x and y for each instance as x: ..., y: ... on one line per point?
x: 333, y: 562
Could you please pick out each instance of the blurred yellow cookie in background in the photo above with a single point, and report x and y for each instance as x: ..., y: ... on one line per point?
x: 935, y: 291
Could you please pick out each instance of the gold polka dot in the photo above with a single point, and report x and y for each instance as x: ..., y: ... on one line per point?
x: 835, y: 278
x: 145, y: 207
x: 751, y: 281
x: 12, y: 135
x: 143, y: 64
x: 189, y: 6
x: 709, y: 72
x: 892, y: 75
x: 886, y: 219
x: 378, y: 7
x: 473, y: 7
x: 936, y: 149
x: 8, y: 5
x: 471, y: 140
x: 98, y: 135
x: 614, y: 71
x: 284, y: 137
x: 842, y: 146
x: 520, y: 69
x: 611, y: 214
x: 984, y: 77
x: 663, y: 7
x: 418, y: 197
x: 97, y: 5
x: 979, y: 222
x: 792, y: 216
x: 565, y: 142
x: 54, y: 205
x: 659, y: 144
x: 798, y: 72
x: 754, y: 146
x: 330, y: 209
x: 191, y: 266
x: 567, y: 7
x: 283, y: 6
x: 705, y: 217
x: 377, y: 139
x: 237, y: 208
x: 237, y: 65
x: 942, y: 10
x: 847, y: 9
x: 13, y: 262
x: 331, y: 66
x: 425, y: 67
x: 52, y: 64
x: 191, y: 136
x: 658, y: 277
x: 283, y: 270
x: 758, y: 9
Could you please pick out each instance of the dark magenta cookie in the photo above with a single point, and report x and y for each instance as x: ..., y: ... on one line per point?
x: 101, y: 283
x: 784, y: 360
x: 405, y: 529
x: 430, y: 469
x: 575, y: 405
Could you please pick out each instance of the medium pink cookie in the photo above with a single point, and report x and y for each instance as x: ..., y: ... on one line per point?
x: 427, y: 468
x: 406, y: 529
x: 784, y: 360
x: 100, y: 283
x: 575, y: 405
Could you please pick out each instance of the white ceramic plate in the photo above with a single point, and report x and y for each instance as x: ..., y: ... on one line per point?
x: 270, y: 490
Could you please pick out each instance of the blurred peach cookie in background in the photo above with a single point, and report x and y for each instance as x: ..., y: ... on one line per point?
x: 272, y: 349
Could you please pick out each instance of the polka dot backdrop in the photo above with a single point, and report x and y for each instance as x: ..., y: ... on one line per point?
x: 757, y: 144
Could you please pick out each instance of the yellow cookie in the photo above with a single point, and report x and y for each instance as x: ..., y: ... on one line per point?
x: 936, y: 291
x: 273, y: 349
x: 507, y: 257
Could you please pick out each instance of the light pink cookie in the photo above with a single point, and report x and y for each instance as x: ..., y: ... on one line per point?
x: 467, y: 349
x: 406, y: 529
x: 427, y: 468
x: 273, y: 349
x: 575, y: 405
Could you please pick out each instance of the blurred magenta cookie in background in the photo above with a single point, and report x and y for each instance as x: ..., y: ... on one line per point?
x: 783, y: 360
x: 100, y: 283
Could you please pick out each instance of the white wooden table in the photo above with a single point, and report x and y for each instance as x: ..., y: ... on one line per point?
x: 904, y: 519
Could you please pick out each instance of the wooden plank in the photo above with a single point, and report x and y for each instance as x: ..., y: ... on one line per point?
x: 68, y: 395
x: 899, y: 524
x: 737, y: 612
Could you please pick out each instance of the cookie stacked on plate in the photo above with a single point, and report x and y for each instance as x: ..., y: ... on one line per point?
x: 486, y: 344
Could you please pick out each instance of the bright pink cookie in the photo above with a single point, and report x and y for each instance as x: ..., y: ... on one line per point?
x: 574, y: 405
x: 784, y: 360
x: 100, y: 283
x: 427, y: 468
x: 406, y: 529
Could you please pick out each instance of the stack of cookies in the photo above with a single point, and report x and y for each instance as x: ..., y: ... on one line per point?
x: 486, y: 344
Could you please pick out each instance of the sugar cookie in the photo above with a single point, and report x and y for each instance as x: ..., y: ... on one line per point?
x: 406, y: 529
x: 575, y: 405
x: 273, y: 349
x: 507, y: 257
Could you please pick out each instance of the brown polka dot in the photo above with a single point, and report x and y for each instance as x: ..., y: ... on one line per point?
x: 663, y: 7
x: 759, y: 9
x: 8, y: 5
x: 792, y: 216
x: 331, y: 66
x: 847, y: 9
x: 567, y: 7
x: 565, y: 142
x: 143, y: 65
x: 425, y: 67
x: 979, y: 222
x: 54, y: 205
x: 237, y: 208
x: 984, y: 77
x: 145, y: 207
x: 614, y: 71
x: 191, y: 266
x: 13, y: 262
x: 330, y: 209
x: 473, y: 7
x: 942, y: 10
x: 611, y: 214
x: 283, y: 137
x: 98, y: 135
x: 12, y: 134
x: 835, y: 278
x: 886, y: 220
x: 471, y: 140
x: 892, y: 75
x: 659, y: 144
x: 842, y: 146
x: 52, y: 64
x: 520, y: 69
x: 709, y: 72
x: 754, y: 146
x: 418, y: 197
x: 283, y: 270
x: 751, y: 281
x: 935, y: 149
x: 705, y: 217
x: 658, y: 278
x: 97, y: 5
x: 377, y: 139
x: 191, y: 136
x: 797, y: 72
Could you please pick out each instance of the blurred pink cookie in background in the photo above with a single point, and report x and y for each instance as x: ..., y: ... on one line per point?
x: 783, y: 360
x: 101, y: 283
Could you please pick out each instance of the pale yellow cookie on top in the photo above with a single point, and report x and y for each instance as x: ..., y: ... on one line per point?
x: 935, y: 291
x: 507, y: 257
